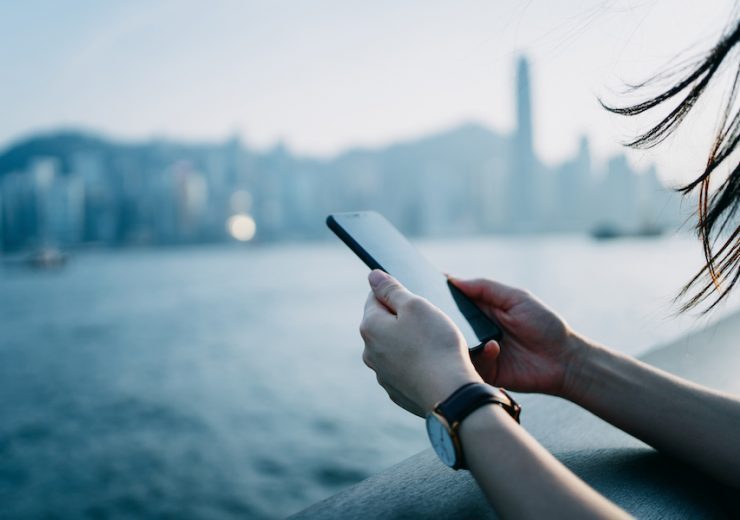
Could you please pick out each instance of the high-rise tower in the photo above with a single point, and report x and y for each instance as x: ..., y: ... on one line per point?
x: 523, y: 134
x: 524, y: 192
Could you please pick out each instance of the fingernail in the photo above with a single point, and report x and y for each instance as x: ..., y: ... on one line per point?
x: 377, y: 276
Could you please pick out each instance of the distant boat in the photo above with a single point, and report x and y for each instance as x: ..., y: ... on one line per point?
x: 609, y: 232
x: 605, y: 232
x: 47, y: 258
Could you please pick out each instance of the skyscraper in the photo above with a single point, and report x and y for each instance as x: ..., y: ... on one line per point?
x: 524, y: 196
x: 523, y: 134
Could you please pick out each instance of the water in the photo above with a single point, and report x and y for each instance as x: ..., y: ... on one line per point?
x: 227, y: 382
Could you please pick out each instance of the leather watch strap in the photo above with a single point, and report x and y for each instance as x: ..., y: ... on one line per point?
x: 472, y: 396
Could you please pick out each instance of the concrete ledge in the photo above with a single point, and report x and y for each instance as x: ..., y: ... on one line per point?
x: 630, y: 473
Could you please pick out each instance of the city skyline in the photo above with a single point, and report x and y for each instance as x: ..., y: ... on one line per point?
x: 327, y: 77
x: 70, y: 189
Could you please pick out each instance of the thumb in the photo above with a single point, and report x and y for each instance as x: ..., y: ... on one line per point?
x: 485, y: 361
x: 491, y: 349
x: 387, y: 289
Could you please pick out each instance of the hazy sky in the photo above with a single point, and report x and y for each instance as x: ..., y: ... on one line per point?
x: 326, y: 75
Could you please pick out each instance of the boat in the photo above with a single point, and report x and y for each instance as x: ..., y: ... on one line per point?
x: 47, y: 258
x: 610, y: 232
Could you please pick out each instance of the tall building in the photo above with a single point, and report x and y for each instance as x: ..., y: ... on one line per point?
x: 523, y: 136
x: 524, y: 194
x: 573, y: 204
x: 43, y: 173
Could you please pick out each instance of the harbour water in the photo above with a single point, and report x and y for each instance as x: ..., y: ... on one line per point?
x: 225, y: 382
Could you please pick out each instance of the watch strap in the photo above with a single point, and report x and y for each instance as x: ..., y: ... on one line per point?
x: 469, y: 397
x: 464, y: 401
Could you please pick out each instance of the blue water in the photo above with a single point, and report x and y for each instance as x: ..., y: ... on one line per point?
x: 227, y: 382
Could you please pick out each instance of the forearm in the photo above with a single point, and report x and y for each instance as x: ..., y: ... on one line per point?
x: 677, y: 417
x: 519, y: 477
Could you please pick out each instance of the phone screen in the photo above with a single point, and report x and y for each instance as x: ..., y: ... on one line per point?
x: 381, y: 246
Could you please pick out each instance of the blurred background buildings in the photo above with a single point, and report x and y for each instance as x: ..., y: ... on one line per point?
x: 67, y: 189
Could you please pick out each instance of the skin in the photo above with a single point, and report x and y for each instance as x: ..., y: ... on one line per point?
x: 420, y: 358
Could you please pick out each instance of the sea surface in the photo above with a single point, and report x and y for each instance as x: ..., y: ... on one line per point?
x: 227, y: 382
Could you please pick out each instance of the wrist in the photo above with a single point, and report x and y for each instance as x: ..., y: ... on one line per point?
x: 579, y: 368
x: 484, y: 421
x: 445, y: 384
x: 601, y: 374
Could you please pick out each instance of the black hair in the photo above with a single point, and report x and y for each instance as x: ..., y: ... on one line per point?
x: 717, y: 212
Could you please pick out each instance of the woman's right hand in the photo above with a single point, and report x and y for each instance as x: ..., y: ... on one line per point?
x: 539, y: 352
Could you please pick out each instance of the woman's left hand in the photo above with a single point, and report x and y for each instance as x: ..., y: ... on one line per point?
x: 416, y: 351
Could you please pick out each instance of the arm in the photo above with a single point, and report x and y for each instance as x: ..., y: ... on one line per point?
x: 420, y: 358
x: 540, y: 353
x: 520, y: 478
x: 675, y: 416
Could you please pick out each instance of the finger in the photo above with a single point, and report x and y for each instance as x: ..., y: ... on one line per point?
x: 492, y: 349
x: 486, y: 362
x: 366, y: 359
x: 370, y: 315
x: 488, y: 291
x: 489, y: 353
x: 372, y: 305
x: 388, y: 290
x: 375, y: 310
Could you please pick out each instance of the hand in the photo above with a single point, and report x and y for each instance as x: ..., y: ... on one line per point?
x: 539, y: 352
x: 417, y: 352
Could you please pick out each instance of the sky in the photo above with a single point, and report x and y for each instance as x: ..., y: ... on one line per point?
x: 324, y: 76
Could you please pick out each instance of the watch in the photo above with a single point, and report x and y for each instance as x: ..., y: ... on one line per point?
x: 443, y: 422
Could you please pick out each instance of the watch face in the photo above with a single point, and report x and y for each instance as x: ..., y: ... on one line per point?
x: 441, y: 440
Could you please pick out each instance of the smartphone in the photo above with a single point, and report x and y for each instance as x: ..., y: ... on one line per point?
x: 381, y: 246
